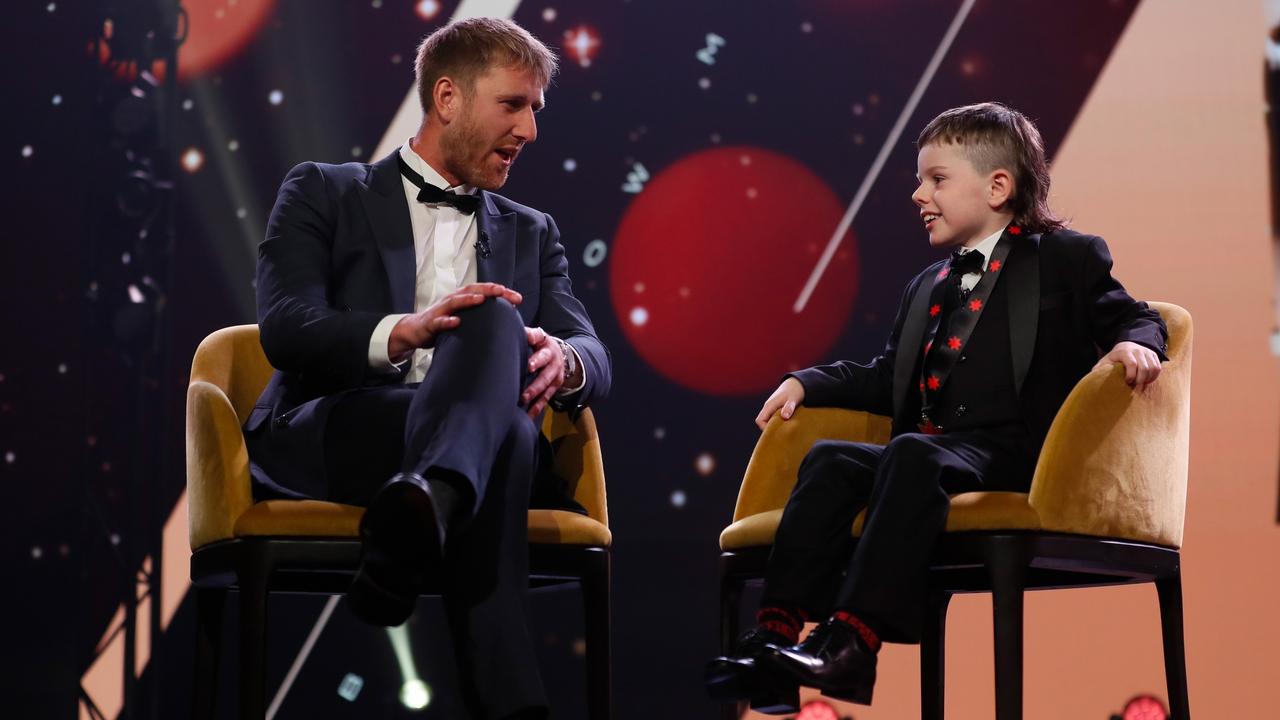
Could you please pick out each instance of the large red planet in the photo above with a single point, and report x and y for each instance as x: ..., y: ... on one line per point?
x: 709, y: 259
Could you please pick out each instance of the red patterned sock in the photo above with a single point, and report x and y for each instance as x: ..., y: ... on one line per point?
x: 868, y: 635
x: 784, y: 621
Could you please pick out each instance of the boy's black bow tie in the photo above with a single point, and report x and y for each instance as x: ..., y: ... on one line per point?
x: 428, y: 193
x: 964, y: 263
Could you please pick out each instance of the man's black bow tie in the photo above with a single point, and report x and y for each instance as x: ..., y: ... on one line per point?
x: 428, y: 193
x: 965, y: 263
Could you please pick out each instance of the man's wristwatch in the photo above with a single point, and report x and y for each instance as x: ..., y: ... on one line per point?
x: 570, y: 359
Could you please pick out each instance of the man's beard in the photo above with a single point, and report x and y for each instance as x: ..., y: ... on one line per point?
x: 466, y: 155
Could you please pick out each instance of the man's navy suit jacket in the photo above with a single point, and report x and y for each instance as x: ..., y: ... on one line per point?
x: 1064, y: 307
x: 338, y: 257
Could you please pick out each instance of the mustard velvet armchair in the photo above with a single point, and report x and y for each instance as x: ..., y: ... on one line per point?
x: 311, y: 546
x: 1105, y: 507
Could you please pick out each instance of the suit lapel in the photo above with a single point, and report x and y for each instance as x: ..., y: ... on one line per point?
x: 1023, y: 278
x: 910, y: 342
x: 388, y: 211
x: 497, y: 232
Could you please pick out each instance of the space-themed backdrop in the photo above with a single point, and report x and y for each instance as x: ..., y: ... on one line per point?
x: 731, y: 181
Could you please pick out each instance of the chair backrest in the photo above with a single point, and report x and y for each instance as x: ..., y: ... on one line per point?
x: 228, y: 374
x: 1114, y: 463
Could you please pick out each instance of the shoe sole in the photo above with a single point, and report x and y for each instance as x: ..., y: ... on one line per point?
x: 859, y: 694
x: 728, y: 681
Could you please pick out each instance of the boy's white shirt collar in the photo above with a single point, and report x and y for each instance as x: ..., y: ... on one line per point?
x: 429, y: 174
x: 986, y: 247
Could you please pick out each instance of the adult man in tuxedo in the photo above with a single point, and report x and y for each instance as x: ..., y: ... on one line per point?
x: 419, y: 324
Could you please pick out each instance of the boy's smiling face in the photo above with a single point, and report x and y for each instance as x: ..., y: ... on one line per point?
x: 959, y: 205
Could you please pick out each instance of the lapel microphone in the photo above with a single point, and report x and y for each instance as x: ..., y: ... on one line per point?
x: 482, y: 245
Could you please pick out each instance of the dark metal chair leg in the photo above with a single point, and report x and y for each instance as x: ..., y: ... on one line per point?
x: 730, y: 612
x: 210, y: 603
x: 595, y: 599
x: 1175, y: 661
x: 255, y: 571
x: 933, y: 654
x: 1007, y: 565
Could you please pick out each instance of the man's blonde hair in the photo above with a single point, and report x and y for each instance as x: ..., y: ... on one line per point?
x: 466, y: 49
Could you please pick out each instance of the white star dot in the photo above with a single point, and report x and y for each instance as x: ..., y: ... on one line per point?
x: 705, y: 464
x: 62, y: 368
x: 56, y: 100
x: 678, y: 498
x: 51, y: 7
x: 10, y: 457
x: 192, y: 160
x: 241, y: 213
x: 570, y: 165
x: 715, y: 138
x: 115, y: 538
x: 188, y: 104
x: 234, y: 145
x: 37, y: 553
x: 704, y: 83
x: 549, y: 15
x: 659, y: 433
x: 806, y: 27
x: 427, y: 9
x: 27, y: 151
x: 275, y: 97
x: 639, y: 316
x: 752, y: 193
x: 752, y: 98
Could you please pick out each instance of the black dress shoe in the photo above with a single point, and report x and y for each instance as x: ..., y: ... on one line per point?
x: 730, y: 678
x: 402, y: 545
x: 833, y: 658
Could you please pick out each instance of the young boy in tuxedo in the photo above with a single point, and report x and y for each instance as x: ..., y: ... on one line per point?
x: 985, y: 347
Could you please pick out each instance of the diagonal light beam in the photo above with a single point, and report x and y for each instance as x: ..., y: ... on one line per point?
x: 865, y: 188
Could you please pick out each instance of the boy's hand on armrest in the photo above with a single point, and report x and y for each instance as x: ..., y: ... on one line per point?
x: 1141, y: 364
x: 788, y: 396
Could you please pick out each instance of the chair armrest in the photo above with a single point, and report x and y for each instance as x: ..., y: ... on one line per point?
x: 218, y: 488
x: 1114, y: 463
x: 771, y: 472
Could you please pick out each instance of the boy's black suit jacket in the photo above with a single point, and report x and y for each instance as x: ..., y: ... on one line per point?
x: 1064, y: 309
x: 339, y: 256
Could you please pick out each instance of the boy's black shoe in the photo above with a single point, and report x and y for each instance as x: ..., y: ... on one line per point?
x: 833, y: 658
x: 730, y: 678
x: 402, y: 543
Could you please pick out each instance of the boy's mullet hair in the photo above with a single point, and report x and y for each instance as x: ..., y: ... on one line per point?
x: 466, y: 49
x: 992, y: 135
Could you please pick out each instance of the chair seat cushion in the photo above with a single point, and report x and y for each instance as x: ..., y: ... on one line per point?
x: 969, y: 511
x: 316, y: 518
x: 561, y: 527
